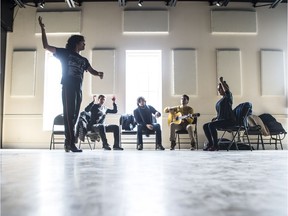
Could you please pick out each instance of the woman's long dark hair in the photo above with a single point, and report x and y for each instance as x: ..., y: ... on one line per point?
x: 73, y: 41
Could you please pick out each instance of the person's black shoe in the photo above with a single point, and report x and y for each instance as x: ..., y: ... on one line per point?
x: 140, y: 146
x: 206, y: 148
x: 173, y: 144
x: 66, y: 148
x: 213, y: 148
x: 106, y: 147
x: 117, y: 148
x: 193, y: 146
x: 160, y: 147
x: 72, y: 148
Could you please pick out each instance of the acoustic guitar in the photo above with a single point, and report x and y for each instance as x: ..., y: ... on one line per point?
x: 178, y: 117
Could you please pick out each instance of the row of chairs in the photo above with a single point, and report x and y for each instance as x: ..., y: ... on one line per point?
x: 126, y: 136
x: 239, y: 132
x: 269, y: 131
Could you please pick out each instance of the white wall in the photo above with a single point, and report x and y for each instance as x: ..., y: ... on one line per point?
x: 189, y: 27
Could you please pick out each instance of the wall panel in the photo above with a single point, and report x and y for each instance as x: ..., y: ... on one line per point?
x: 152, y: 21
x: 103, y: 60
x: 229, y: 67
x: 23, y: 73
x: 233, y: 21
x: 60, y: 22
x: 185, y: 71
x: 272, y: 72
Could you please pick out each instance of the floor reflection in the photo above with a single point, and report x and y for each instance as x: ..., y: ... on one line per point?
x: 130, y: 182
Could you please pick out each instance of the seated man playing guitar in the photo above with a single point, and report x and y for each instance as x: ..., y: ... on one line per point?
x: 181, y: 117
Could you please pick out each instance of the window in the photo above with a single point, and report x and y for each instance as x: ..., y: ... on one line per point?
x: 52, y: 90
x: 143, y: 78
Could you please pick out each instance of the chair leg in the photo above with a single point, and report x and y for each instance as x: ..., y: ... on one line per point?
x: 277, y: 138
x: 88, y: 140
x: 219, y: 140
x: 263, y: 147
x: 80, y: 142
x: 233, y: 141
x: 178, y: 136
x: 276, y: 147
x: 51, y: 142
x: 246, y: 131
x: 280, y: 142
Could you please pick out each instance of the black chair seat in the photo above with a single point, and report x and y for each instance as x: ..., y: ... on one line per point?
x: 58, y: 132
x: 127, y: 132
x: 182, y: 131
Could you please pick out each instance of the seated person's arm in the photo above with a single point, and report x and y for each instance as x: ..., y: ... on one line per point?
x: 88, y: 108
x: 190, y: 119
x: 137, y: 117
x: 170, y: 109
x: 114, y: 110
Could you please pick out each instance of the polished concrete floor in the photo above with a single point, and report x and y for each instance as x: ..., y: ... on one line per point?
x: 148, y: 183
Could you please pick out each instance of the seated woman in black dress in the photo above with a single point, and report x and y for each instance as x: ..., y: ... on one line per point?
x: 225, y: 116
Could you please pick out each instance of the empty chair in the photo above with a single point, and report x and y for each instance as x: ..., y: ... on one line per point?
x: 58, y: 133
x: 270, y: 131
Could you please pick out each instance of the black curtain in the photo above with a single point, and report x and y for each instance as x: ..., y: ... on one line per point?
x: 7, y: 11
x: 2, y: 78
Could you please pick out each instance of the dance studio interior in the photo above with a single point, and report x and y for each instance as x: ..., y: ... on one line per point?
x: 160, y: 50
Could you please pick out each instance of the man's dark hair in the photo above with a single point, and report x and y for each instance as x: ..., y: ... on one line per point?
x: 73, y: 41
x: 139, y: 99
x: 185, y: 96
x: 101, y: 96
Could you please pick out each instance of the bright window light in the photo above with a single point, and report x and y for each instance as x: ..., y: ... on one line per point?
x: 52, y: 90
x: 143, y: 78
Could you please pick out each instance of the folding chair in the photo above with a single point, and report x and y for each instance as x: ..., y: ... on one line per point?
x: 252, y: 132
x: 91, y: 138
x: 276, y: 131
x: 186, y: 138
x: 264, y: 132
x: 58, y: 133
x: 242, y: 111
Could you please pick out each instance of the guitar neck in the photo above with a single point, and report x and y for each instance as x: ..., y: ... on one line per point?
x: 184, y: 116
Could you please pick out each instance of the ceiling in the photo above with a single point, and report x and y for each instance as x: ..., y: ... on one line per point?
x: 171, y: 3
x: 252, y: 1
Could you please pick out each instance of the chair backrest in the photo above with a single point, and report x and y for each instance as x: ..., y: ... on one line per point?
x: 195, y: 118
x: 58, y: 121
x: 273, y: 126
x: 241, y: 112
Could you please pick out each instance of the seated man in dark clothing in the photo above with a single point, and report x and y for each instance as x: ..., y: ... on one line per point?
x: 144, y: 117
x: 97, y: 122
